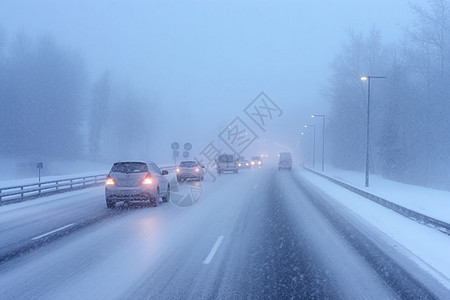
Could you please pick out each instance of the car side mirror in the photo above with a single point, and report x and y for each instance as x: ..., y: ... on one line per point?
x: 165, y: 172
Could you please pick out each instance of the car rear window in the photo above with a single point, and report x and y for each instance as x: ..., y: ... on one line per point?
x: 226, y: 158
x: 129, y: 167
x: 188, y: 164
x: 285, y: 156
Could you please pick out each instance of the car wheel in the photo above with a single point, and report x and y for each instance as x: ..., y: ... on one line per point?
x: 167, y: 196
x: 178, y: 179
x: 154, y: 200
x: 110, y: 204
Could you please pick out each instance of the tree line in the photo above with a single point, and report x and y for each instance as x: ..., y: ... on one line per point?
x: 51, y: 109
x: 410, y: 109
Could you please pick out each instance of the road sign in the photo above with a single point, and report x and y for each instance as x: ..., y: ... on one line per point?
x: 176, y: 153
x: 188, y: 146
x: 175, y: 146
x: 40, y: 165
x: 186, y: 154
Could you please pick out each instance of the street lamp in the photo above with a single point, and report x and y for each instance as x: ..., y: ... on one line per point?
x: 314, y: 143
x: 323, y: 138
x: 368, y: 78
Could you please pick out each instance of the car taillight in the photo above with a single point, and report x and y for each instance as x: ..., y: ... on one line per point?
x: 147, y: 179
x: 109, y: 180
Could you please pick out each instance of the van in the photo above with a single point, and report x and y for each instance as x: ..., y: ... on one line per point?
x: 226, y: 163
x: 285, y: 161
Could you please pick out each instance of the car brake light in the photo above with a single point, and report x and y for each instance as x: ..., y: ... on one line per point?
x: 109, y: 180
x: 147, y: 179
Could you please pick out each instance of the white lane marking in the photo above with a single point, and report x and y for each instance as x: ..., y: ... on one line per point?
x: 213, y: 250
x: 53, y: 231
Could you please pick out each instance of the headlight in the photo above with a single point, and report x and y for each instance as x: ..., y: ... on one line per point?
x: 197, y: 170
x: 178, y: 170
x: 239, y: 165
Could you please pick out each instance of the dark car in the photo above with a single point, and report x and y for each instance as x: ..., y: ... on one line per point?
x: 256, y: 161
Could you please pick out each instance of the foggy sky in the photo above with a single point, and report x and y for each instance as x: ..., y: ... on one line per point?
x: 206, y: 60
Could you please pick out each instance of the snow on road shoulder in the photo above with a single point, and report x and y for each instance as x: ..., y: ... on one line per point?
x: 425, y: 246
x: 431, y: 202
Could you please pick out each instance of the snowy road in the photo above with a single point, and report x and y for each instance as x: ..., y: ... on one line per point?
x: 258, y: 234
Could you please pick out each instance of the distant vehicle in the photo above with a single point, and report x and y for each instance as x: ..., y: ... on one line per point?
x: 136, y: 181
x: 244, y: 164
x: 226, y: 163
x: 285, y: 161
x: 256, y: 161
x: 190, y: 169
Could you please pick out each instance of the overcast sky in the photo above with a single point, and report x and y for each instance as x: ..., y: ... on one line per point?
x: 209, y: 59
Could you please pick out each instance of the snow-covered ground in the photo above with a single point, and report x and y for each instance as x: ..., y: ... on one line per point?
x: 431, y: 202
x: 425, y: 246
x: 18, y: 172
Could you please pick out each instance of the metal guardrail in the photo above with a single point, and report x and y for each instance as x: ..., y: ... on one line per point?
x: 411, y: 214
x: 29, y: 191
x: 20, y: 193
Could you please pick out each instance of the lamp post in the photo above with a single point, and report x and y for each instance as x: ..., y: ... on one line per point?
x: 314, y: 143
x: 368, y: 78
x: 323, y: 138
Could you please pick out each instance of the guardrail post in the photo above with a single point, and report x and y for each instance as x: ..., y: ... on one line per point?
x: 71, y: 185
x: 56, y: 185
x: 39, y: 191
x: 84, y: 181
x: 21, y: 194
x: 0, y: 197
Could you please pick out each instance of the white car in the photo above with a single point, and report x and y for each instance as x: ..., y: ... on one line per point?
x: 190, y: 169
x: 136, y: 181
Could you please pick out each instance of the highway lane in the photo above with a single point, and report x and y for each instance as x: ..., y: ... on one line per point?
x: 29, y: 224
x: 258, y: 234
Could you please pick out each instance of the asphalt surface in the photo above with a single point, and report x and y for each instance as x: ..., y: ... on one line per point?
x: 259, y: 234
